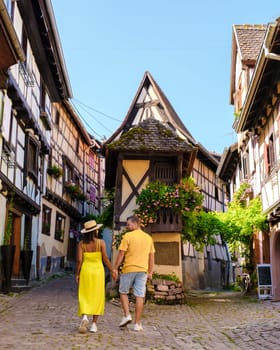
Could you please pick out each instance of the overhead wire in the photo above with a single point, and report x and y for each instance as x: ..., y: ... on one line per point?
x: 84, y: 107
x: 97, y: 111
x: 85, y: 121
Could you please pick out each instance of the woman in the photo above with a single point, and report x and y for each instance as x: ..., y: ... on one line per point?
x: 90, y: 275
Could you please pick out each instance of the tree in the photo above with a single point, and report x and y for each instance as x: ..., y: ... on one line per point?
x: 243, y: 218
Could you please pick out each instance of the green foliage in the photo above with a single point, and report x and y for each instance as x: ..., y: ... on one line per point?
x: 75, y: 191
x: 55, y: 171
x: 106, y: 217
x: 135, y: 134
x: 9, y: 225
x: 200, y: 229
x: 171, y: 277
x: 118, y: 238
x: 184, y: 198
x: 242, y: 219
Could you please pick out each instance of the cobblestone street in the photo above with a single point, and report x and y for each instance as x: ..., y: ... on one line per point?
x: 46, y: 318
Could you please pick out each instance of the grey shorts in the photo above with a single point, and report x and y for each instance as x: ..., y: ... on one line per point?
x: 135, y: 280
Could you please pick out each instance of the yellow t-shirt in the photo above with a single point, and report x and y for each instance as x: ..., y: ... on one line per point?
x: 137, y: 246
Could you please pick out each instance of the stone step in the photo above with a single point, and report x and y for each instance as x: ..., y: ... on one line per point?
x: 19, y: 285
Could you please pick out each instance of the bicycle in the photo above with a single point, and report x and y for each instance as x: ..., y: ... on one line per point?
x: 245, y: 283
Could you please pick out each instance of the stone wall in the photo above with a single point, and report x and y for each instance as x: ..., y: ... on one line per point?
x: 164, y: 291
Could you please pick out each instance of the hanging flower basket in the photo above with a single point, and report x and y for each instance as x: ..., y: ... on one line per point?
x: 75, y: 191
x: 55, y: 171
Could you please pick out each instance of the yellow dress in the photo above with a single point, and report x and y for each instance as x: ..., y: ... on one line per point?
x: 91, y: 292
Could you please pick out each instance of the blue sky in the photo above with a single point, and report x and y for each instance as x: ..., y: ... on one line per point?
x: 186, y: 46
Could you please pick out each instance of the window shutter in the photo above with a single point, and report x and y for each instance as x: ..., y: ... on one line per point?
x: 92, y: 194
x: 266, y: 164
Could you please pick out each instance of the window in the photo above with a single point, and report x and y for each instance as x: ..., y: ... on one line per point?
x: 92, y: 193
x: 27, y: 233
x: 216, y: 193
x: 245, y: 164
x: 32, y: 158
x: 70, y: 175
x: 165, y: 172
x: 42, y: 98
x: 77, y: 145
x: 68, y: 172
x: 57, y: 117
x: 269, y: 154
x: 59, y: 227
x: 46, y: 220
x: 24, y: 42
x: 91, y: 161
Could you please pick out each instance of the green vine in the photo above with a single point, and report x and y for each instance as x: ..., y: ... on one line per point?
x: 242, y: 219
x: 9, y: 225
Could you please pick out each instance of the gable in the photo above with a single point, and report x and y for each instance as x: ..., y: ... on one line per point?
x: 151, y: 103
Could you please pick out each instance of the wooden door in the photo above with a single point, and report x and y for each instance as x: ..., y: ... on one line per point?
x: 16, y: 240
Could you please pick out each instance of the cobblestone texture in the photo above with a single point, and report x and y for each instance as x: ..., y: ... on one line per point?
x: 45, y: 317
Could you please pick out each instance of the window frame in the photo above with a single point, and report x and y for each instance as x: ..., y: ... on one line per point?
x: 46, y: 220
x: 59, y: 227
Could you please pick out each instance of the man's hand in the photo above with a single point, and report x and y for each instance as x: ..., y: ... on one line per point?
x: 115, y: 274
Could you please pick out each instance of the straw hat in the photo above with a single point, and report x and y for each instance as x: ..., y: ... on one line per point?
x: 90, y: 226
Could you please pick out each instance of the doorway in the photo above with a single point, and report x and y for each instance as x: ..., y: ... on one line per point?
x: 16, y: 241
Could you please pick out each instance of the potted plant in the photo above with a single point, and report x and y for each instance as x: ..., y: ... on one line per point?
x: 26, y: 255
x: 81, y: 196
x: 71, y: 188
x: 8, y: 251
x: 75, y: 191
x: 55, y: 171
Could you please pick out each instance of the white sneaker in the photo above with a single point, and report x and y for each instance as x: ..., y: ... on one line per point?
x: 83, y: 326
x: 93, y: 328
x: 125, y: 320
x: 138, y: 327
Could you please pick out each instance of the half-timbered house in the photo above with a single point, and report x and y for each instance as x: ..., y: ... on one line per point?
x: 73, y: 187
x: 31, y: 88
x: 153, y: 144
x: 254, y: 158
x: 257, y: 126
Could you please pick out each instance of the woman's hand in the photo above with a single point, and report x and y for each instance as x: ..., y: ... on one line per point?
x: 115, y: 274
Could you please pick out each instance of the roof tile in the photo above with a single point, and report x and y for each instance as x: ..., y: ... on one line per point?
x: 250, y: 39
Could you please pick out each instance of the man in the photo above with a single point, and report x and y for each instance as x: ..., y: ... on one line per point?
x: 137, y: 250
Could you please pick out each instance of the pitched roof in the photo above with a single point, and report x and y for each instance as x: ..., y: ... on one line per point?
x: 228, y: 162
x: 249, y: 39
x: 151, y: 102
x: 263, y: 83
x: 150, y: 127
x: 150, y: 135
